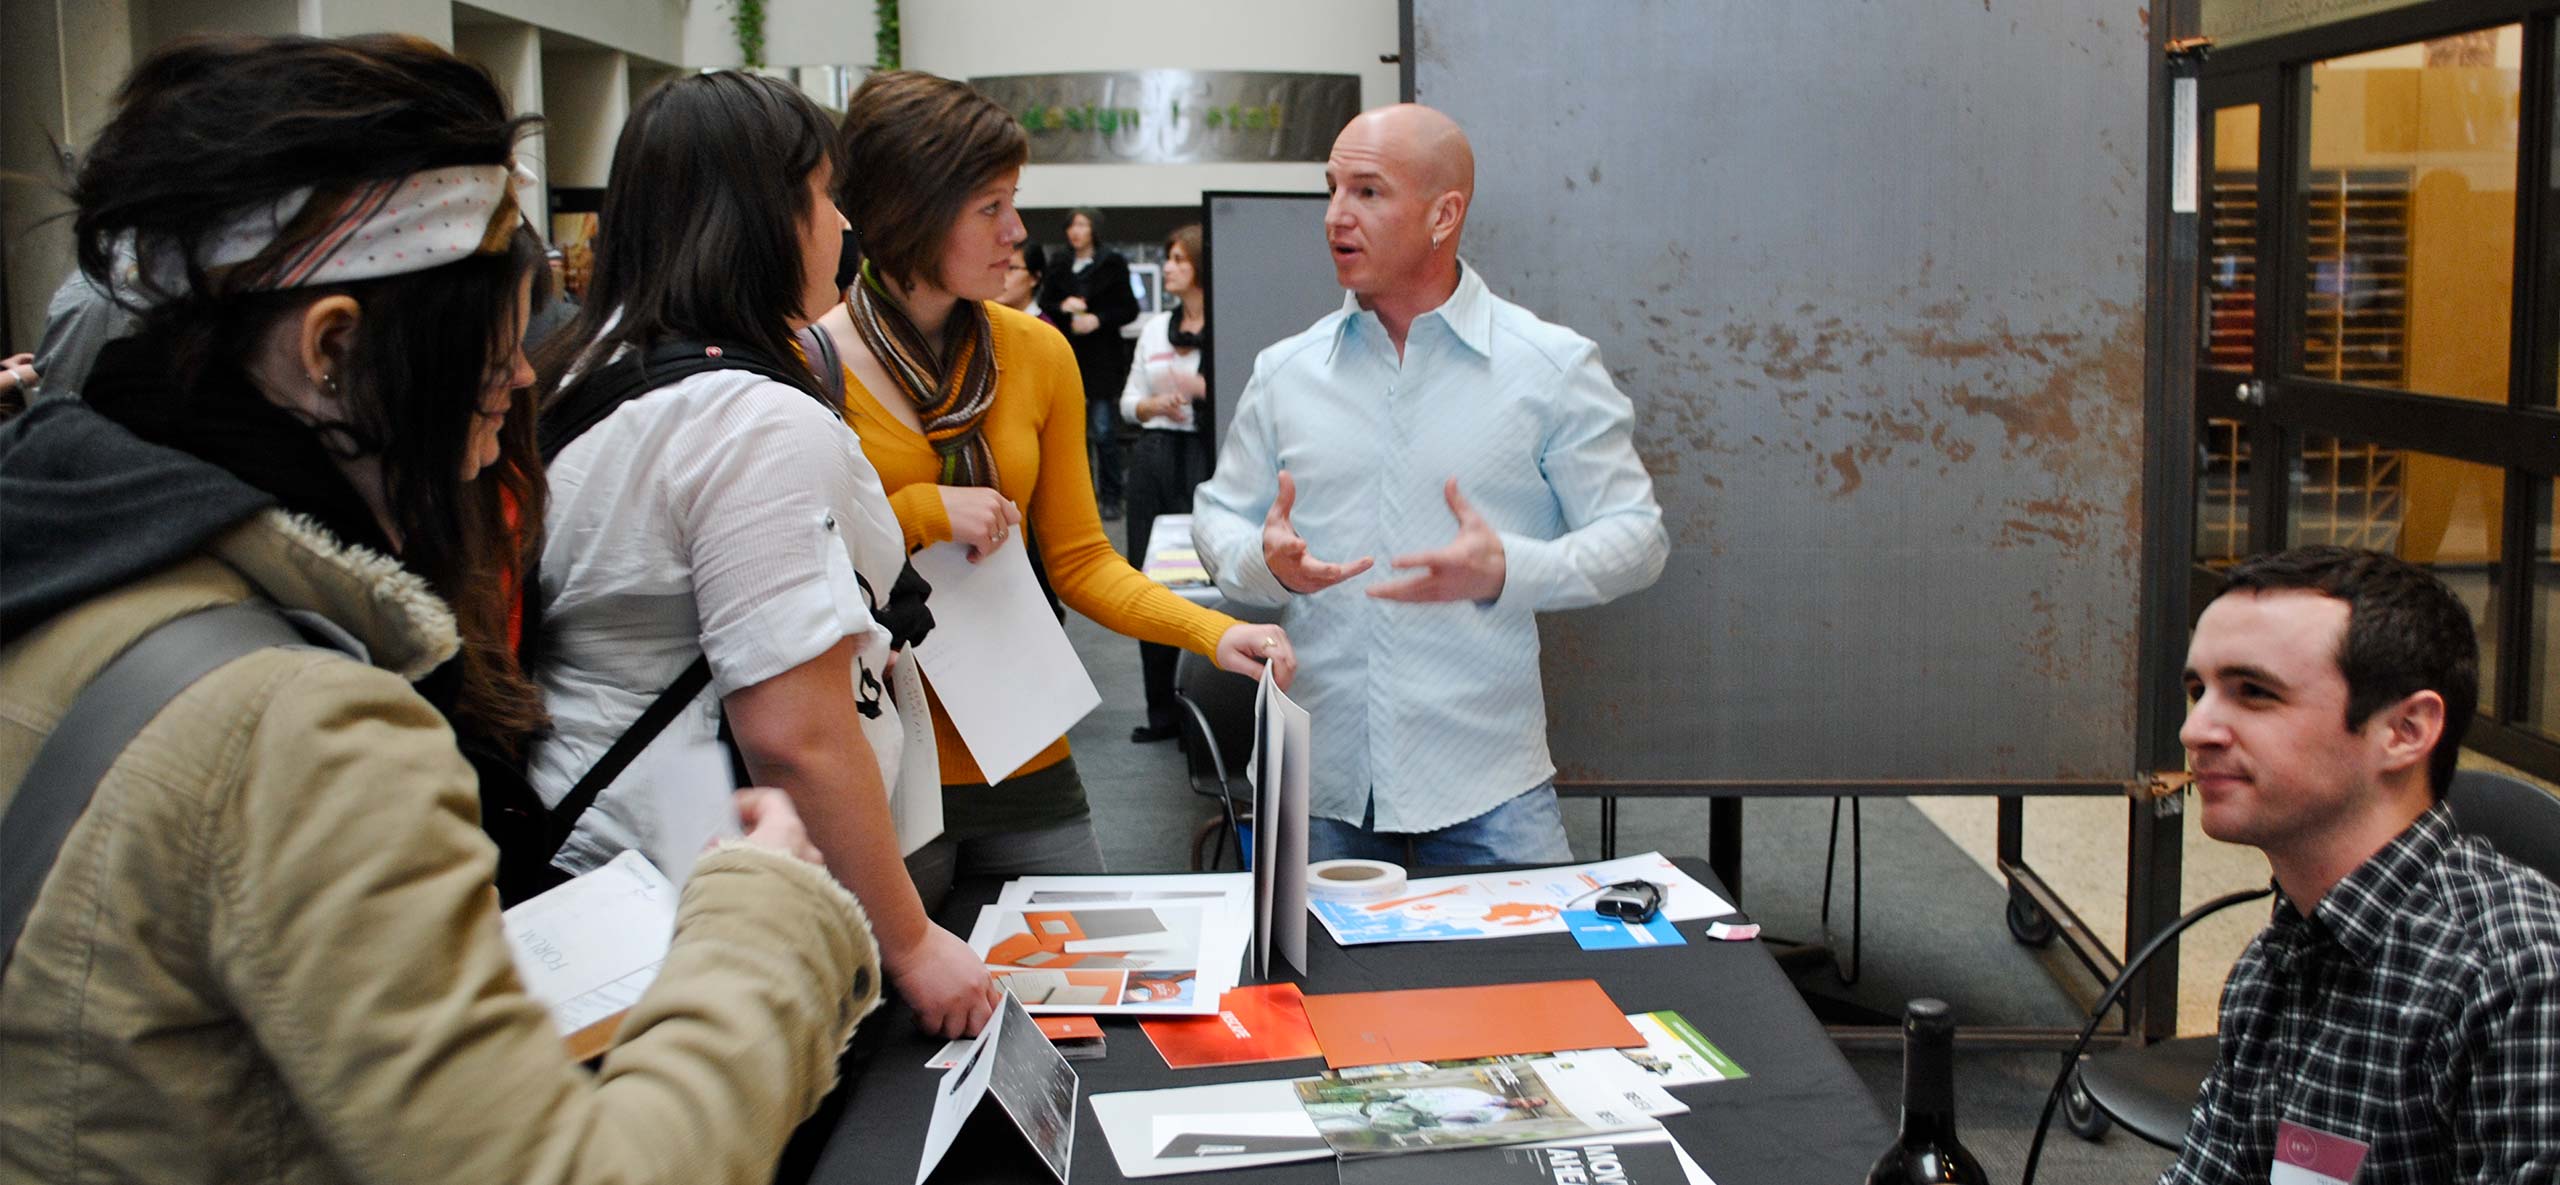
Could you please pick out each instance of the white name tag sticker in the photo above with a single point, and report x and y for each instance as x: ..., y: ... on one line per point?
x: 2309, y: 1156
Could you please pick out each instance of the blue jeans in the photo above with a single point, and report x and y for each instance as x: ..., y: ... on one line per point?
x: 1525, y: 829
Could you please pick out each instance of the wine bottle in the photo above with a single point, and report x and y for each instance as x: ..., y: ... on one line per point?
x: 1927, y: 1150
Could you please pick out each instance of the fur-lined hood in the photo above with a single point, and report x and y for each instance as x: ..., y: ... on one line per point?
x: 387, y: 609
x: 87, y: 508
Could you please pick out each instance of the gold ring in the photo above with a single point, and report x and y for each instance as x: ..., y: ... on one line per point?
x: 1271, y: 644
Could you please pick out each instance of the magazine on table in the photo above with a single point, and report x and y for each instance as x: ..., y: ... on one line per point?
x: 1625, y: 1158
x: 1633, y: 1081
x: 1468, y: 1106
x: 1677, y: 1054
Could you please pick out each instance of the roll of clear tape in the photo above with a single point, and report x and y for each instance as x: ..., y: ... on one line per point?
x: 1354, y: 881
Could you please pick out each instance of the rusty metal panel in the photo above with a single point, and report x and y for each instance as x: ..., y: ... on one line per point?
x: 1872, y: 274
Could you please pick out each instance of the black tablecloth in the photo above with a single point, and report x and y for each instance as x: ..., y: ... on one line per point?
x: 1802, y: 1117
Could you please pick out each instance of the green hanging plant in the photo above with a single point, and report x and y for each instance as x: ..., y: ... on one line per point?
x: 748, y: 23
x: 885, y: 42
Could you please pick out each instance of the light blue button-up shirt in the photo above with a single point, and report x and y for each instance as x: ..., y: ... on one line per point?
x: 1435, y: 709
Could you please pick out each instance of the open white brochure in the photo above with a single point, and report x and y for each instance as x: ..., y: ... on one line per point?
x: 1506, y: 904
x: 1197, y: 1129
x: 588, y: 948
x: 1029, y: 1081
x: 1282, y: 760
x: 997, y: 657
x: 1163, y: 957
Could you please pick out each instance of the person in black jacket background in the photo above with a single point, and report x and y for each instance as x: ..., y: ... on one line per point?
x: 1087, y: 294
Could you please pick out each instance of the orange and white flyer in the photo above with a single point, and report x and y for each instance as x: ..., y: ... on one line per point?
x: 1267, y: 1023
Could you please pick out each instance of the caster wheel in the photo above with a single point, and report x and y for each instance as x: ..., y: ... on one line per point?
x: 2029, y: 923
x: 2081, y: 1113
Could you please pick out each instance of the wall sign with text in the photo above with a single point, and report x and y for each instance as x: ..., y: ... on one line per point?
x: 1177, y: 116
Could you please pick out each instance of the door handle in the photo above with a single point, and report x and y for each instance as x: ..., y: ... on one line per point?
x: 2252, y: 393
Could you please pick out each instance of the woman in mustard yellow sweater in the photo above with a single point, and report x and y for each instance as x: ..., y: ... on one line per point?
x: 974, y: 415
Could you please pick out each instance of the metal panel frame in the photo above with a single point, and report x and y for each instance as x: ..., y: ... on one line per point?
x: 2166, y: 468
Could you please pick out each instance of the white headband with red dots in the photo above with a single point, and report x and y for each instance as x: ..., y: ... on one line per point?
x: 380, y: 228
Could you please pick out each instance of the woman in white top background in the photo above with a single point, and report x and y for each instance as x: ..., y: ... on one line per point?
x: 732, y: 516
x: 1171, y: 457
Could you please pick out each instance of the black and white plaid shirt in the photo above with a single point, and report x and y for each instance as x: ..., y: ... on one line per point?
x: 2416, y: 1010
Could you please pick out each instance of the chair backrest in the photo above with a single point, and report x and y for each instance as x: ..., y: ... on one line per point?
x: 2516, y: 817
x: 1219, y: 705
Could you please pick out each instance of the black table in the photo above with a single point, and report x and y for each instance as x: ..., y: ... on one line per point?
x: 1802, y: 1117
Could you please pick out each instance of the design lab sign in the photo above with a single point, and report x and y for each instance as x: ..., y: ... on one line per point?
x: 1177, y: 116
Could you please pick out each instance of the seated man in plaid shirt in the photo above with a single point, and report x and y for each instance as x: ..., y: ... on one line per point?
x: 2399, y: 1017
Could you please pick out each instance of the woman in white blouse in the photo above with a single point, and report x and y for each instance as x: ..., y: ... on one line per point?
x: 733, y: 516
x: 1171, y: 456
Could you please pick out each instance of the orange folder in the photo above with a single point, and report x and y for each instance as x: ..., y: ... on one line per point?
x: 1254, y: 1024
x: 1446, y: 1024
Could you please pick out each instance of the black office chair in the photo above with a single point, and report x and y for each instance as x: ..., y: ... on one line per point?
x: 1215, y: 711
x: 2151, y: 1091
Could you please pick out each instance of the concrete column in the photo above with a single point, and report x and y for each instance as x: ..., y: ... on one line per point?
x: 512, y: 52
x: 586, y: 93
x: 66, y: 59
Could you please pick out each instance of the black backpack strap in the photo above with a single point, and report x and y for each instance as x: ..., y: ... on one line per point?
x: 820, y: 347
x: 661, y: 712
x: 599, y: 393
x: 100, y: 723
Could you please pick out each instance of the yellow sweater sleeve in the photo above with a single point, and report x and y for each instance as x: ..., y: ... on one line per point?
x: 921, y: 515
x: 1087, y: 572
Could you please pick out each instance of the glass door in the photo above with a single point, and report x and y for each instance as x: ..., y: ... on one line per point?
x: 2236, y: 341
x: 2378, y: 297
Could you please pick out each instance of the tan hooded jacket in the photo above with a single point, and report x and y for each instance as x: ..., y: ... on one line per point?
x: 270, y: 951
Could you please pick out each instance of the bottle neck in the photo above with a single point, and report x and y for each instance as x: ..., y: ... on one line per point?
x: 1928, y: 1087
x: 1928, y: 1128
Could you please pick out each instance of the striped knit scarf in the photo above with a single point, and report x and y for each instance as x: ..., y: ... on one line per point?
x: 951, y: 388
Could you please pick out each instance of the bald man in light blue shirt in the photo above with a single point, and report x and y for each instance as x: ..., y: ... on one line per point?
x: 1487, y: 454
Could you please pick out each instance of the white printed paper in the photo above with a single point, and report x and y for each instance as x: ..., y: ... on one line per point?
x: 588, y: 948
x: 997, y: 657
x: 1196, y: 1129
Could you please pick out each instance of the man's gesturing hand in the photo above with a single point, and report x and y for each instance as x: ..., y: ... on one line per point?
x: 1469, y: 569
x: 1286, y: 554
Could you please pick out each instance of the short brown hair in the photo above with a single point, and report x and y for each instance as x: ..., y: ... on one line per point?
x: 914, y: 147
x: 1187, y: 237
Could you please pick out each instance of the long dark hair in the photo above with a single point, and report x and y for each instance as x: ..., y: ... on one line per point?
x: 209, y: 128
x: 699, y: 236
